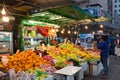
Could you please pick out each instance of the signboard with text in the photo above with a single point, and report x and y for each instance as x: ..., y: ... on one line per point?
x: 87, y: 40
x: 95, y: 11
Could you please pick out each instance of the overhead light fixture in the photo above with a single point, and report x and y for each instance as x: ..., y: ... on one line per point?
x: 62, y: 31
x: 93, y: 32
x: 31, y: 21
x: 101, y: 26
x: 75, y: 32
x: 3, y: 12
x: 4, y: 45
x: 69, y: 32
x: 86, y: 27
x: 5, y: 19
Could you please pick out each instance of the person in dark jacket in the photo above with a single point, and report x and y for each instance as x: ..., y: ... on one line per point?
x: 112, y: 46
x: 78, y: 41
x: 103, y: 45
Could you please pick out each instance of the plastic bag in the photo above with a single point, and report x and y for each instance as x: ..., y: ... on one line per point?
x: 20, y: 73
x: 12, y: 74
x: 26, y: 77
x: 33, y: 76
x: 19, y: 78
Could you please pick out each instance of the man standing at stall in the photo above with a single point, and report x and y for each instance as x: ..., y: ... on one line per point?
x: 103, y: 45
x: 78, y: 41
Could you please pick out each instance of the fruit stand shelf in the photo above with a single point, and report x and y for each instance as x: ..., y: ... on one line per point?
x: 27, y: 46
x: 70, y: 72
x: 4, y: 41
x: 94, y: 68
x: 32, y: 37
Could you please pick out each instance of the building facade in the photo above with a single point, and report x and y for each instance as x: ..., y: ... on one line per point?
x: 103, y: 3
x: 110, y: 6
x: 116, y: 6
x: 114, y: 9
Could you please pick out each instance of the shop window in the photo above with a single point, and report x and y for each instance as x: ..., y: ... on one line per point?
x: 115, y: 11
x: 115, y: 1
x: 115, y: 6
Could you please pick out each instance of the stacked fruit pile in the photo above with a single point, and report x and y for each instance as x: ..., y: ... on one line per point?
x: 92, y: 55
x: 37, y: 73
x: 57, y: 57
x: 25, y: 60
x: 48, y: 58
x: 43, y: 30
x: 68, y: 51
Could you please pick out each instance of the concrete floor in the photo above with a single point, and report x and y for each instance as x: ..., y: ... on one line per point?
x: 114, y: 71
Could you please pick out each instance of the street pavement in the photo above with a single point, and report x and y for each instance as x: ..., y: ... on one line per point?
x: 114, y: 71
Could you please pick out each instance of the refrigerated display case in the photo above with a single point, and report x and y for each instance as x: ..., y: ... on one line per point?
x: 6, y: 42
x: 29, y: 38
x: 32, y: 42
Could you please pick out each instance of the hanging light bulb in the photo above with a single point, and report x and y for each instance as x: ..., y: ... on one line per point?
x: 75, y: 32
x: 86, y: 27
x: 93, y: 32
x: 101, y: 26
x: 62, y: 31
x: 5, y: 19
x: 31, y: 21
x: 69, y: 32
x: 3, y: 11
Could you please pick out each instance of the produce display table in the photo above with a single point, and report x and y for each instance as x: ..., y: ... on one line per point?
x: 70, y: 72
x: 84, y: 66
x: 94, y: 68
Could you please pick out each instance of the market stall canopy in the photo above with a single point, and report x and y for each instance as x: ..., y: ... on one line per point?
x: 22, y: 7
x: 73, y: 12
x: 67, y: 15
x: 52, y: 18
x: 61, y: 7
x: 98, y: 12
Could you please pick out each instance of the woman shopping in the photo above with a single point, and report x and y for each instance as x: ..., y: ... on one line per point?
x: 117, y: 47
x: 103, y: 45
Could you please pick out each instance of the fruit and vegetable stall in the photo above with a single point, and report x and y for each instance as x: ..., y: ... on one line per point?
x: 42, y: 64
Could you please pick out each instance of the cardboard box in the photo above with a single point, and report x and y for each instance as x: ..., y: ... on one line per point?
x: 94, y: 68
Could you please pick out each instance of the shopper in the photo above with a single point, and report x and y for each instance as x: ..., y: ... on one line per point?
x: 117, y: 47
x: 103, y: 45
x: 112, y: 46
x: 78, y: 41
x: 54, y: 42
